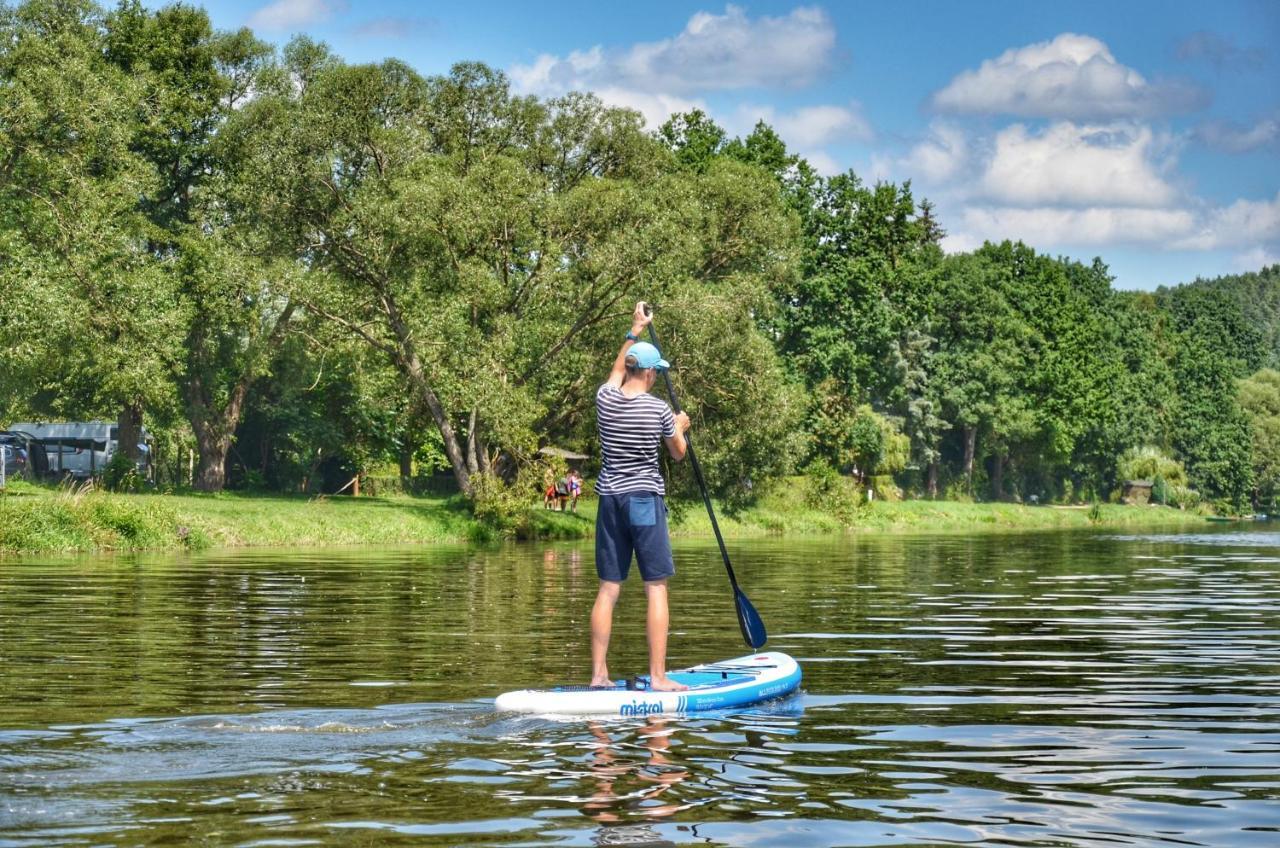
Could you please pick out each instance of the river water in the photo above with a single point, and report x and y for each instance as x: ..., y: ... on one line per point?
x: 1064, y: 689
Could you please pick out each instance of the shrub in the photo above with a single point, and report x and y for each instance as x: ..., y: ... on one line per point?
x: 826, y: 490
x: 1148, y: 463
x: 885, y: 487
x: 1160, y: 491
x: 1183, y: 497
x: 121, y: 474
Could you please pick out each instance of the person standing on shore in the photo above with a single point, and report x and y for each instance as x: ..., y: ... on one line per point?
x: 632, y: 515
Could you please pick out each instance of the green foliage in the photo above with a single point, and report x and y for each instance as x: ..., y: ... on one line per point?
x: 826, y: 489
x: 1150, y: 463
x: 1160, y: 491
x: 305, y: 269
x: 121, y: 474
x: 1260, y: 402
x: 1211, y: 432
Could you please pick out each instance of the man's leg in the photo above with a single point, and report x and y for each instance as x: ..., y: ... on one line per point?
x: 656, y: 624
x: 601, y: 629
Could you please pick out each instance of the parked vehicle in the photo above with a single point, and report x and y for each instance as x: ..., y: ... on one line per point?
x: 22, y: 455
x: 83, y: 449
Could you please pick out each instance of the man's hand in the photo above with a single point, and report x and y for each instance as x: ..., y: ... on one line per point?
x: 639, y: 319
x: 676, y: 445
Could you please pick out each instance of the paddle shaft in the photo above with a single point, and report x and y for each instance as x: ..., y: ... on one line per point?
x: 697, y: 470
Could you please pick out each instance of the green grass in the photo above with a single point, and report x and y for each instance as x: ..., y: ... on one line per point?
x: 781, y: 513
x: 36, y: 519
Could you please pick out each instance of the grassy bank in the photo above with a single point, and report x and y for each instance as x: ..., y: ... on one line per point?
x: 39, y: 520
x: 770, y: 517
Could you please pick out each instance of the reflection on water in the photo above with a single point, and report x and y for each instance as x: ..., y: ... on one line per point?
x: 1059, y: 689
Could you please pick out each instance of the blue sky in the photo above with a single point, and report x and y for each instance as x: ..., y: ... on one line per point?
x: 1147, y: 133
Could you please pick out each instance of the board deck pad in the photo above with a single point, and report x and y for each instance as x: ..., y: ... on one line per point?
x: 737, y: 682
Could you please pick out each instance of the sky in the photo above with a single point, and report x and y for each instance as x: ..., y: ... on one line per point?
x: 1146, y: 133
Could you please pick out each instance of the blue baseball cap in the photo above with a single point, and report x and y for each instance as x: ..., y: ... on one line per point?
x: 647, y: 356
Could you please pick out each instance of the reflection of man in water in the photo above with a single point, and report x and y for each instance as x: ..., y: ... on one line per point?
x: 656, y: 776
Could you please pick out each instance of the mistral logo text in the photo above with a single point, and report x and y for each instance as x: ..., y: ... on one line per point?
x: 640, y: 708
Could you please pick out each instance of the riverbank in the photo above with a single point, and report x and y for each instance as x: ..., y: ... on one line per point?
x: 41, y: 520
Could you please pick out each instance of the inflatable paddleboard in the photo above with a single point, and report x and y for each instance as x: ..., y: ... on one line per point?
x: 730, y: 683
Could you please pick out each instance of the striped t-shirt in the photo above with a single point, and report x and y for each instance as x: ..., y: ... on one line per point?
x: 631, y: 431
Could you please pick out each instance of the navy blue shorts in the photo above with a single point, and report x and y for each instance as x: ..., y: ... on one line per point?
x: 633, y: 523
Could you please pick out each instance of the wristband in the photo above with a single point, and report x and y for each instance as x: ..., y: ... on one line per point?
x: 632, y: 336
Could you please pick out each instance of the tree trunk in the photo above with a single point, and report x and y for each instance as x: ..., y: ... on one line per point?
x: 129, y: 427
x: 406, y: 357
x: 931, y: 481
x: 215, y: 427
x: 473, y: 464
x: 997, y: 477
x: 211, y: 470
x: 406, y: 465
x: 970, y: 443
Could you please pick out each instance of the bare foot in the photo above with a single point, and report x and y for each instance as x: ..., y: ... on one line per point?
x: 601, y: 682
x: 665, y: 684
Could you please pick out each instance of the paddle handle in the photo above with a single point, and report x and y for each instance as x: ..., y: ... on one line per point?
x: 693, y: 460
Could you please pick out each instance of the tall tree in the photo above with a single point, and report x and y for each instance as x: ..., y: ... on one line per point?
x: 192, y: 80
x: 486, y: 244
x: 91, y: 307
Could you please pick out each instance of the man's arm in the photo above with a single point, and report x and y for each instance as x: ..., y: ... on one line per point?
x: 676, y: 445
x: 639, y: 321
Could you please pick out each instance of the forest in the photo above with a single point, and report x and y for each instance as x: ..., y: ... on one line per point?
x: 294, y: 271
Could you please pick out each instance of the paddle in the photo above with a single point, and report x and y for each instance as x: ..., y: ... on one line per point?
x: 753, y: 632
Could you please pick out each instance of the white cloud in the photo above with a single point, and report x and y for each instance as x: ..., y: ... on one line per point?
x: 823, y: 163
x: 286, y: 15
x: 1233, y: 138
x: 808, y: 126
x: 1049, y: 227
x: 1072, y: 76
x: 654, y: 106
x: 713, y: 52
x: 1244, y: 223
x: 1074, y: 165
x: 1256, y: 259
x: 1251, y: 227
x: 940, y: 157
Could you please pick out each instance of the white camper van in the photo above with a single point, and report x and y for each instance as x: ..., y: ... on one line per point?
x: 83, y: 449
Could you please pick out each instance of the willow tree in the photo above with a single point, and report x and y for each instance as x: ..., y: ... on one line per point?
x: 190, y: 79
x: 487, y: 244
x: 91, y: 320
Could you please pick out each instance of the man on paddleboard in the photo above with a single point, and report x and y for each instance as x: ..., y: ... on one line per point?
x: 632, y: 518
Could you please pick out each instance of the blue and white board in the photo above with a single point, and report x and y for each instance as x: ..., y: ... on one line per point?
x: 713, y: 686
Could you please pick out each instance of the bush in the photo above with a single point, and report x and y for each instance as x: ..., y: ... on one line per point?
x: 1183, y: 497
x: 885, y: 487
x: 1149, y: 463
x: 826, y: 490
x: 507, y: 509
x: 121, y: 474
x: 1160, y: 491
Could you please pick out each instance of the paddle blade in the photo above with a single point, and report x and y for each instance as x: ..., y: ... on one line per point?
x: 753, y: 632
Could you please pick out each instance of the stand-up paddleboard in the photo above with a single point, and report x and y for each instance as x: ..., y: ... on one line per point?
x: 731, y: 683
